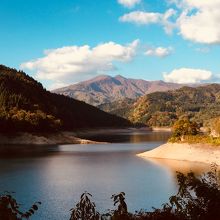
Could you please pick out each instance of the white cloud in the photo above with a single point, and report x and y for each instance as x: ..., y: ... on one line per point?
x: 190, y: 4
x: 201, y: 27
x: 203, y: 3
x: 199, y: 20
x: 187, y: 75
x: 159, y: 51
x: 196, y: 20
x: 129, y: 3
x: 145, y: 18
x: 75, y: 63
x: 141, y: 17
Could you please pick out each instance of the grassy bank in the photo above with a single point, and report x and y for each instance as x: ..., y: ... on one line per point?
x: 196, y: 139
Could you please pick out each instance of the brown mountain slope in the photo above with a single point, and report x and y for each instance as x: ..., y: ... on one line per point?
x: 105, y: 89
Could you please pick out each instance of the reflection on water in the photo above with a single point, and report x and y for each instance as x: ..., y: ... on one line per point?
x: 15, y: 151
x: 181, y: 166
x: 125, y: 136
x: 57, y: 175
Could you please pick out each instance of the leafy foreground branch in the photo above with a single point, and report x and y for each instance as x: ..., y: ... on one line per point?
x: 198, y: 198
x: 10, y: 209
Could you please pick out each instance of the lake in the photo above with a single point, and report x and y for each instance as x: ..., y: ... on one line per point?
x: 57, y: 175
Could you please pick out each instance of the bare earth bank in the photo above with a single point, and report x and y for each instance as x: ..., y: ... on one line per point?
x: 43, y: 139
x: 185, y: 152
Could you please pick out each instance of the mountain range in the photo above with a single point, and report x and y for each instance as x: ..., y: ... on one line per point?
x: 106, y: 89
x: 26, y: 106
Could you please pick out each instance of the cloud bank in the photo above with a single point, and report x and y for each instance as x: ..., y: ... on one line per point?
x: 203, y: 25
x: 187, y: 75
x: 146, y: 18
x: 76, y: 63
x: 195, y: 20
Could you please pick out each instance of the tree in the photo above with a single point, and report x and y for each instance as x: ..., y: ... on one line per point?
x: 85, y: 209
x: 184, y: 127
x: 215, y: 127
x: 198, y: 197
x: 121, y: 213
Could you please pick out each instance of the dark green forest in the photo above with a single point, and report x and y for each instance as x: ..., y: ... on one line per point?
x: 121, y: 107
x: 26, y: 106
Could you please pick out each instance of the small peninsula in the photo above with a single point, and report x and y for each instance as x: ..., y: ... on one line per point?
x: 188, y: 144
x: 203, y: 153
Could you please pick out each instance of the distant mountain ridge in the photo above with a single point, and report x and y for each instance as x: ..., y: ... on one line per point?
x: 106, y: 89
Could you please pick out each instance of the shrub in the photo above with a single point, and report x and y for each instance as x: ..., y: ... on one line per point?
x: 184, y: 127
x: 84, y: 209
x: 198, y: 198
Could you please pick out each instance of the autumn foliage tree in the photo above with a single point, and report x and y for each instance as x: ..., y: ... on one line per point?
x: 215, y: 126
x: 184, y: 127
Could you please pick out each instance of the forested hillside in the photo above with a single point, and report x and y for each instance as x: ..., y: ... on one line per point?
x: 163, y: 108
x: 121, y: 107
x: 26, y: 106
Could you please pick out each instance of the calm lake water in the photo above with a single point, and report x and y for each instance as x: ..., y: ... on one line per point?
x: 57, y: 175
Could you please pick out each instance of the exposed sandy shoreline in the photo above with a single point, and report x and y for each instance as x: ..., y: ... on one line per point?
x: 185, y: 152
x: 168, y: 129
x: 43, y: 139
x: 25, y: 138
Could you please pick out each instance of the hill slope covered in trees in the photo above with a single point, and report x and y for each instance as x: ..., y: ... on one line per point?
x: 163, y: 108
x: 26, y: 106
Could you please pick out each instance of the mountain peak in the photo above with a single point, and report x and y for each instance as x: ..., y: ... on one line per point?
x: 104, y: 89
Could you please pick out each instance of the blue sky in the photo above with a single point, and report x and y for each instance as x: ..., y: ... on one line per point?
x: 63, y: 42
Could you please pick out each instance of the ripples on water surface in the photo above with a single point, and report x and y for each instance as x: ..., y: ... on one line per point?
x: 57, y: 175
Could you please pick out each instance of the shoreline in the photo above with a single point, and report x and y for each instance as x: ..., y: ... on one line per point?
x: 112, y: 130
x: 64, y: 137
x: 25, y: 138
x: 60, y: 137
x: 201, y: 153
x: 168, y: 129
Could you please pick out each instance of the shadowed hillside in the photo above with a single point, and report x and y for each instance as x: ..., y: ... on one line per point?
x: 26, y: 106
